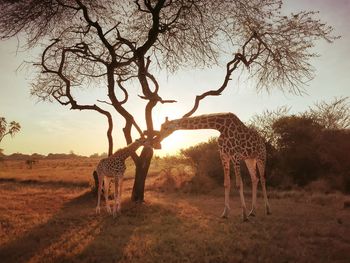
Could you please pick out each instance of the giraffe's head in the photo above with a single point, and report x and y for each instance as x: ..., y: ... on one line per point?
x: 167, y: 128
x: 142, y: 141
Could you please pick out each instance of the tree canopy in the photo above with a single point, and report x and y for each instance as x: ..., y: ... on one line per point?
x: 331, y: 115
x: 8, y: 129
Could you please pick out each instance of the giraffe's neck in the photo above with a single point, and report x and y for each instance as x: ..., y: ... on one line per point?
x: 134, y: 146
x: 212, y: 121
x: 127, y: 151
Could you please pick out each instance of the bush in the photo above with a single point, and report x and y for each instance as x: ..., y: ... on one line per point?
x: 334, y: 149
x: 171, y: 174
x: 307, y: 152
x: 297, y: 144
x: 206, y: 159
x: 304, y: 152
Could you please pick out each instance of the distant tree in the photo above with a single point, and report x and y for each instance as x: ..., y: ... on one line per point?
x: 95, y: 155
x: 331, y: 115
x: 297, y: 147
x: 2, y: 155
x: 8, y: 129
x: 263, y: 123
x: 110, y: 44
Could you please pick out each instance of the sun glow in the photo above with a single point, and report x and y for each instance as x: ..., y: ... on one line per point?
x: 179, y: 139
x: 173, y: 143
x: 183, y: 139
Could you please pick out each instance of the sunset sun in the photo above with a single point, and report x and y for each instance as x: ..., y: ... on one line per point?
x: 173, y: 143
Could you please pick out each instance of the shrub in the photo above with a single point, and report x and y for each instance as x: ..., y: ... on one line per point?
x: 306, y: 151
x: 334, y: 149
x: 297, y: 144
x: 206, y: 159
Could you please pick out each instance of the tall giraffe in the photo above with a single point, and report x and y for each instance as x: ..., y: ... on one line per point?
x: 236, y: 143
x: 114, y: 167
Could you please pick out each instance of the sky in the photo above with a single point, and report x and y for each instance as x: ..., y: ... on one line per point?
x: 52, y: 128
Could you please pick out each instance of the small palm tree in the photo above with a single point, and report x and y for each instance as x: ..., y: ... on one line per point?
x: 10, y: 129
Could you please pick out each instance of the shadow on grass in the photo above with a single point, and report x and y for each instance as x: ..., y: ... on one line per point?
x: 75, y: 233
x: 132, y: 237
x: 35, y: 241
x: 183, y: 228
x: 45, y: 183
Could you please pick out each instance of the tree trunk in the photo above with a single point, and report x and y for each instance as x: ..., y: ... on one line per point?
x: 109, y: 135
x: 142, y: 167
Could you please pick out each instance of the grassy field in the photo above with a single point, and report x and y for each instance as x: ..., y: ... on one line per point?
x: 47, y: 214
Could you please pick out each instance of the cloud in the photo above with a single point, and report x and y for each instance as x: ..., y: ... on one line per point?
x: 55, y: 126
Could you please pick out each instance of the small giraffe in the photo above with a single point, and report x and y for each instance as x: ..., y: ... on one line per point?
x: 114, y: 167
x: 236, y: 143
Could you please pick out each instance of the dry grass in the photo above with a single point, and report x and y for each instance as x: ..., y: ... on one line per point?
x: 77, y: 171
x: 65, y: 172
x: 46, y: 221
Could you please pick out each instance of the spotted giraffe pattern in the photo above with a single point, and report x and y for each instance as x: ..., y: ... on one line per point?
x: 237, y: 143
x: 114, y: 167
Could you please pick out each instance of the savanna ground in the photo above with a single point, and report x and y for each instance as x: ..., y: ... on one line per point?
x: 47, y: 214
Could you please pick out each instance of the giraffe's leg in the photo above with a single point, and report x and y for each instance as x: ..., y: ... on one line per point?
x: 116, y: 195
x: 241, y: 193
x: 120, y: 191
x: 227, y: 185
x: 106, y: 189
x: 261, y: 167
x: 100, y: 183
x: 251, y: 165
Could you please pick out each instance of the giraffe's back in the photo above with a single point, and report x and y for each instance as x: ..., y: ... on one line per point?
x: 240, y: 141
x: 111, y: 167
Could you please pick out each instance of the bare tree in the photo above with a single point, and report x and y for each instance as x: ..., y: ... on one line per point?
x: 263, y: 123
x: 331, y: 115
x: 112, y: 43
x: 8, y: 129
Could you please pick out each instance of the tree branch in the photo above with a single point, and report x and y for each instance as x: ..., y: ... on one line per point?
x: 106, y: 102
x: 230, y: 67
